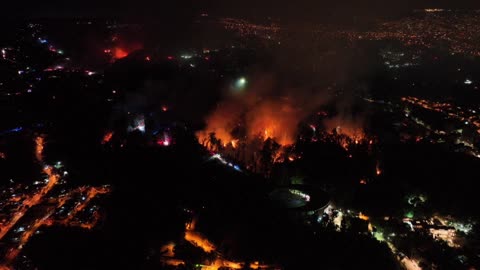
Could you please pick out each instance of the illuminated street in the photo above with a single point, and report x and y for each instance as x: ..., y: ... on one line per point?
x: 49, y: 207
x: 224, y: 135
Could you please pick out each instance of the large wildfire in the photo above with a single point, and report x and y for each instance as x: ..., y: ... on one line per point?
x: 261, y: 111
x: 248, y: 124
x: 232, y: 122
x: 260, y: 117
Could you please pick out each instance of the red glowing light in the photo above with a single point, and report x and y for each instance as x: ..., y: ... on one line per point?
x: 164, y: 142
x: 120, y: 53
x: 170, y: 57
x: 164, y: 108
x: 107, y: 137
x: 147, y: 58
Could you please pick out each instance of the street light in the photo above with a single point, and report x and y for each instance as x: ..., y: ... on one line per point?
x: 240, y: 83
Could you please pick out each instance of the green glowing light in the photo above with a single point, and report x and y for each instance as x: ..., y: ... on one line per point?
x: 241, y: 83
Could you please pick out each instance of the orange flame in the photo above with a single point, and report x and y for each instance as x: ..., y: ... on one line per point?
x: 349, y: 134
x: 363, y: 216
x: 257, y: 116
x: 351, y: 129
x: 378, y: 171
x: 39, y: 145
x: 267, y: 134
x: 354, y: 133
x: 275, y: 120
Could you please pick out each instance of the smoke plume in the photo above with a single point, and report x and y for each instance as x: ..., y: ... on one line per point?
x: 265, y: 109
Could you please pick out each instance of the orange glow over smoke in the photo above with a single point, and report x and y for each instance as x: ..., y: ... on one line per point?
x: 275, y: 120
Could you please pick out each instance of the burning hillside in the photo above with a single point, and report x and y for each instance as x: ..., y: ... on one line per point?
x: 122, y: 46
x: 255, y: 125
x: 231, y: 123
x: 259, y: 126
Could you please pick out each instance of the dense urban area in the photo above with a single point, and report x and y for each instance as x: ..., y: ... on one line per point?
x: 240, y: 143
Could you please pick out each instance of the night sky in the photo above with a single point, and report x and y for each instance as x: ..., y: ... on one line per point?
x: 290, y: 10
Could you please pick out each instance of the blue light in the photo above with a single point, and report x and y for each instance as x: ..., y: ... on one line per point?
x: 17, y: 129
